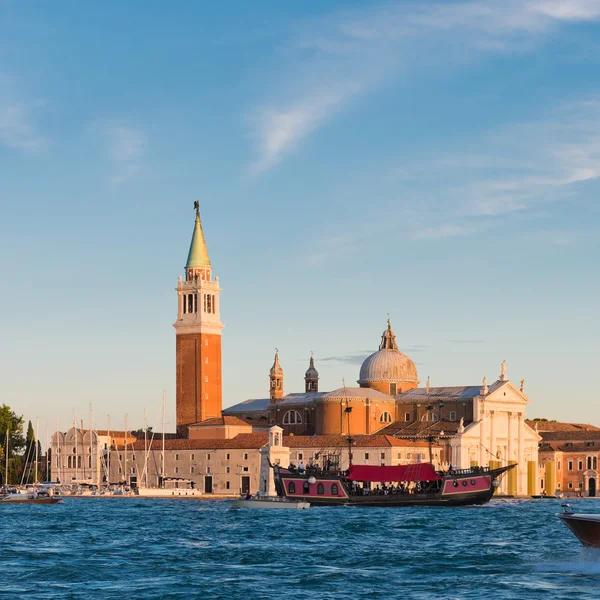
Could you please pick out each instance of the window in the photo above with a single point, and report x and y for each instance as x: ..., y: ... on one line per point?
x: 570, y: 486
x: 589, y: 462
x: 206, y: 378
x: 245, y: 456
x: 120, y: 457
x: 132, y: 470
x: 383, y: 456
x: 292, y: 417
x: 334, y: 489
x: 580, y: 485
x: 399, y: 454
x: 419, y: 458
x: 245, y: 469
x: 207, y: 470
x: 228, y: 456
x: 227, y: 469
x: 407, y: 416
x: 408, y: 455
x: 133, y: 457
x: 580, y: 465
x: 227, y: 485
x: 206, y: 360
x: 176, y: 469
x: 558, y: 466
x: 570, y: 465
x: 292, y: 488
x: 120, y: 470
x: 208, y: 457
x: 300, y: 456
x: 279, y: 384
x: 392, y: 389
x: 595, y: 463
x: 90, y: 462
x: 589, y: 444
x: 177, y: 457
x: 453, y: 415
x: 306, y: 488
x: 320, y: 489
x: 192, y: 457
x: 366, y: 456
x: 206, y: 342
x: 385, y: 417
x: 191, y: 469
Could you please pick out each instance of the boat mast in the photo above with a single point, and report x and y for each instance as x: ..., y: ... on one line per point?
x: 144, y: 478
x: 48, y: 478
x: 162, y: 456
x: 92, y: 469
x: 37, y: 429
x: 109, y: 449
x: 76, y: 436
x: 126, y: 473
x: 6, y: 450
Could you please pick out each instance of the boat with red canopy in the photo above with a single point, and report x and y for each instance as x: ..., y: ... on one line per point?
x: 401, y: 485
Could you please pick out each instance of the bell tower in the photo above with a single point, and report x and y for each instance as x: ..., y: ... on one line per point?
x: 198, y: 337
x: 276, y: 380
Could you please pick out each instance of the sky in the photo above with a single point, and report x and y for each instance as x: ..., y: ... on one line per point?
x: 437, y: 161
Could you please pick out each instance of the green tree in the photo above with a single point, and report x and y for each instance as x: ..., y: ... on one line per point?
x: 13, y: 423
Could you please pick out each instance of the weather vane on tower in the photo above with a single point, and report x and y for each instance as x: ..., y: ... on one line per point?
x: 197, y: 207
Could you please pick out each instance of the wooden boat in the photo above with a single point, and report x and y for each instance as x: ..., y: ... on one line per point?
x: 402, y: 485
x: 269, y: 502
x: 585, y: 527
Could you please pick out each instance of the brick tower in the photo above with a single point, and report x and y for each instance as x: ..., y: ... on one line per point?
x: 198, y: 337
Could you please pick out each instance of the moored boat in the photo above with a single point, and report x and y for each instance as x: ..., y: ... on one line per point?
x: 402, y: 485
x: 269, y: 502
x: 585, y: 527
x: 29, y: 497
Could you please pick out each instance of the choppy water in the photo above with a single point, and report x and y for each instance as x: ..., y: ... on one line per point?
x: 129, y: 548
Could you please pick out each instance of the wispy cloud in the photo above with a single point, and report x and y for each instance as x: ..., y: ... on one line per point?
x: 355, y: 358
x: 125, y: 148
x: 18, y: 129
x: 352, y: 52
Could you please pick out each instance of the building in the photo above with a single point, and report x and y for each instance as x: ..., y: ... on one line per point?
x: 568, y: 458
x: 468, y: 425
x: 199, y: 394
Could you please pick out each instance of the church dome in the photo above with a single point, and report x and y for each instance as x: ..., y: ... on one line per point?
x: 311, y: 372
x: 388, y: 364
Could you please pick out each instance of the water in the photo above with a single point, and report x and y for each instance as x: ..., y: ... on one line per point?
x: 129, y: 548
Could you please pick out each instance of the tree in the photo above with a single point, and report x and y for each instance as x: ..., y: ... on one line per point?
x: 13, y: 423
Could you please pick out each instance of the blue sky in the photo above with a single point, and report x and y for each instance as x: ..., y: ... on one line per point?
x: 436, y: 161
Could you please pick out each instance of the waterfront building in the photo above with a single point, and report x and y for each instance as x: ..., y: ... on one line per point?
x: 569, y: 454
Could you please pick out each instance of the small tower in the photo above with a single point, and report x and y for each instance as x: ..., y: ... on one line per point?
x: 198, y: 337
x: 311, y: 377
x: 276, y: 380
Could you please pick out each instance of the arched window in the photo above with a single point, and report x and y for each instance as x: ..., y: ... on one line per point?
x: 385, y: 417
x: 595, y: 463
x: 69, y: 463
x: 292, y: 417
x: 79, y: 462
x: 453, y: 415
x: 320, y: 489
x: 292, y: 488
x: 334, y: 489
x: 589, y: 462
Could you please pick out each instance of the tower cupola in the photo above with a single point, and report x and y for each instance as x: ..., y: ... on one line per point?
x: 311, y: 377
x: 276, y: 380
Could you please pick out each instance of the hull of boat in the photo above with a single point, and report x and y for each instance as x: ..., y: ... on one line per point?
x: 586, y: 528
x: 20, y: 500
x: 269, y: 504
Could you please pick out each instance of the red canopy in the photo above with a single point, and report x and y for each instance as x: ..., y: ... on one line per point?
x: 416, y: 472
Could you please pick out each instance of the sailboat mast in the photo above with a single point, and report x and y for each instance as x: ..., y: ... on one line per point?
x: 145, y: 478
x: 162, y: 456
x: 48, y: 478
x: 6, y: 451
x: 109, y: 450
x: 126, y: 472
x: 76, y: 436
x: 37, y: 430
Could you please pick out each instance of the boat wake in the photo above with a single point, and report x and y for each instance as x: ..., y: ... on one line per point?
x: 587, y: 564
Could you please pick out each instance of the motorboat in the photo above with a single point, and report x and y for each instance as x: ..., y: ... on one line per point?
x: 30, y: 497
x: 585, y: 527
x: 269, y: 502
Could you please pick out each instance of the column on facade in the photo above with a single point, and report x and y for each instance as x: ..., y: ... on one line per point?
x: 521, y: 467
x: 482, y: 452
x: 493, y: 436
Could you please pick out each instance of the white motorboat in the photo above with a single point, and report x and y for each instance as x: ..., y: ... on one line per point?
x: 274, y: 502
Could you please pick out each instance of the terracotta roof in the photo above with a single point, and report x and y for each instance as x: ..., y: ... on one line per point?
x: 559, y: 436
x: 220, y: 421
x: 254, y: 441
x: 543, y: 426
x: 578, y: 448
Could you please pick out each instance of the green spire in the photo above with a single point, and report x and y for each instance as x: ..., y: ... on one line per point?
x: 198, y: 254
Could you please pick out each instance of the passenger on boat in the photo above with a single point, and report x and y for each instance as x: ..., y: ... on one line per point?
x: 248, y: 496
x: 292, y: 467
x: 301, y: 467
